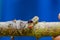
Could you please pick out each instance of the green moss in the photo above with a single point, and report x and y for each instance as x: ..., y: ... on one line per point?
x: 53, y: 31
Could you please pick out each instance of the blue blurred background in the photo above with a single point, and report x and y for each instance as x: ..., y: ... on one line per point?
x: 46, y: 10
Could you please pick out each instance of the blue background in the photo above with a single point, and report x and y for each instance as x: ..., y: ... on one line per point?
x: 46, y: 10
x: 25, y: 38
